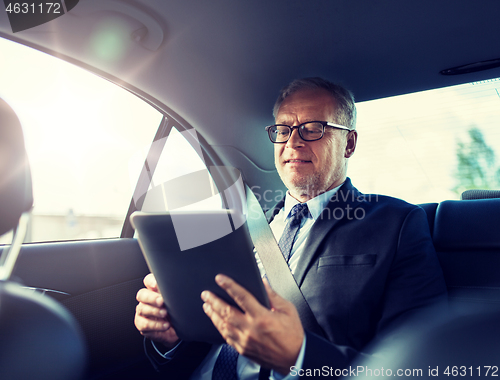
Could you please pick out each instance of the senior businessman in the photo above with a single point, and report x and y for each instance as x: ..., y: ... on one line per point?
x: 362, y: 262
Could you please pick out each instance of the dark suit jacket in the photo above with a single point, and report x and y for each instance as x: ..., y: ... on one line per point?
x: 368, y: 262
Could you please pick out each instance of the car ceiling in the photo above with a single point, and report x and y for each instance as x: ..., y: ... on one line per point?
x: 219, y: 64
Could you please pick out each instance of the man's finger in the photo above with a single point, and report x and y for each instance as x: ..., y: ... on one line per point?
x: 148, y: 325
x: 150, y: 282
x: 243, y: 298
x: 146, y: 310
x: 228, y: 330
x: 149, y: 297
x: 222, y: 310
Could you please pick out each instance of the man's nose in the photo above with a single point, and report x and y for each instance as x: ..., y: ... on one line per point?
x: 295, y: 139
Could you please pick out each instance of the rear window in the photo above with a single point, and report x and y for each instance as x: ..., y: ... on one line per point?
x: 429, y: 146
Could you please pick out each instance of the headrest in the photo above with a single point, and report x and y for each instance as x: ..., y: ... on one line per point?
x: 16, y: 195
x: 480, y: 194
x: 467, y: 225
x: 40, y: 338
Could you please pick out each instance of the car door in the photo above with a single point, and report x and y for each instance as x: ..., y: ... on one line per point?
x: 79, y: 250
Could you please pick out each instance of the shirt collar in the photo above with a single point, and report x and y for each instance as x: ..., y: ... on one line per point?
x: 315, y: 205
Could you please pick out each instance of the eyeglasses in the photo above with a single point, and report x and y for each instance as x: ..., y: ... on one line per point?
x: 310, y: 131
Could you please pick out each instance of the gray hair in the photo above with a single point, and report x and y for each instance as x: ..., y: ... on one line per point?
x: 344, y: 99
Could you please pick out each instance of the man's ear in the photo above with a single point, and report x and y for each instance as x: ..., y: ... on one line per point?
x: 352, y: 139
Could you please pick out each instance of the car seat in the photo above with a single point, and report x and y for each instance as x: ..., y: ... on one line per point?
x: 39, y: 339
x: 464, y: 342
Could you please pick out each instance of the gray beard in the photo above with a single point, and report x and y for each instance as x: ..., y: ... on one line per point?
x: 309, y: 186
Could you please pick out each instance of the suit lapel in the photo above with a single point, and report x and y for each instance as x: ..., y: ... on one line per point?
x: 331, y: 216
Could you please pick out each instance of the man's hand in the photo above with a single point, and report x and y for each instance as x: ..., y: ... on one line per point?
x: 151, y: 317
x: 271, y: 338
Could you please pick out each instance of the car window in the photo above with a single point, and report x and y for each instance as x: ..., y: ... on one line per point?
x: 429, y: 146
x: 181, y: 180
x: 82, y: 136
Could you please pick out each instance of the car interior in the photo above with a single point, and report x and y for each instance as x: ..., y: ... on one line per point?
x: 208, y: 74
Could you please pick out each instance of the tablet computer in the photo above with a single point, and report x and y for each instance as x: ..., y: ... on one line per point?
x: 185, y: 251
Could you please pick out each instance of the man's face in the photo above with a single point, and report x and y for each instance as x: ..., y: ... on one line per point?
x: 309, y: 168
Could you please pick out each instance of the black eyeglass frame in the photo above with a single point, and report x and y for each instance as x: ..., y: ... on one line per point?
x: 298, y: 127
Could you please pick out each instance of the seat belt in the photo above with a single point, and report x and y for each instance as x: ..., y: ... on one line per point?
x: 277, y: 269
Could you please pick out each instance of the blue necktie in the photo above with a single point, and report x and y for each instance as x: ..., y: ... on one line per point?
x: 225, y: 366
x: 298, y: 212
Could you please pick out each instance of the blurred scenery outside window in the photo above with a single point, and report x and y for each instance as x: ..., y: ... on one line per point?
x: 429, y: 146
